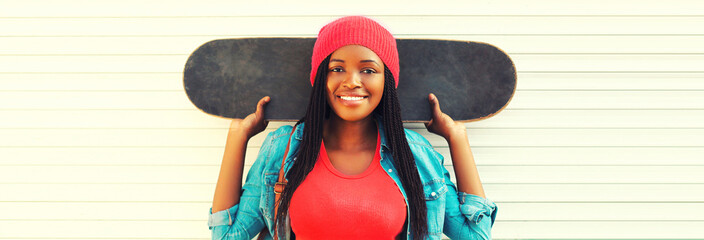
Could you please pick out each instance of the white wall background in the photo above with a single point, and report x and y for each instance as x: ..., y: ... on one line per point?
x: 604, y: 137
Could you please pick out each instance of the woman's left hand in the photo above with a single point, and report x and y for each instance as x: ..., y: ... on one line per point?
x: 442, y: 124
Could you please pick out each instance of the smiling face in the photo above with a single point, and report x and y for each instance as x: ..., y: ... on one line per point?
x: 355, y: 82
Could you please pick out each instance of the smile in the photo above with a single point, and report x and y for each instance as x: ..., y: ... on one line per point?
x: 351, y: 101
x: 351, y: 98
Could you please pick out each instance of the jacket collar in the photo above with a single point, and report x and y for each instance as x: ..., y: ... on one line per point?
x: 382, y: 133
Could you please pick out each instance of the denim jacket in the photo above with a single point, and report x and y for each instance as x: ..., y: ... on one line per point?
x: 457, y: 214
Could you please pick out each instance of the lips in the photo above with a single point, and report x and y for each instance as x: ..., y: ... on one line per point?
x: 351, y: 100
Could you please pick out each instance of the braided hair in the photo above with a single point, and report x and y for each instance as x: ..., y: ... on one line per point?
x: 390, y: 110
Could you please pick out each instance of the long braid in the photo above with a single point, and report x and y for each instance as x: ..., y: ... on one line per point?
x: 403, y: 158
x: 310, y: 146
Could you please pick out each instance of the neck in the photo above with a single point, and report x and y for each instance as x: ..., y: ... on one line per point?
x: 345, y: 135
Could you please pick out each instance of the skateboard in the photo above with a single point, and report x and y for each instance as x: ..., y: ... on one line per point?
x: 227, y: 77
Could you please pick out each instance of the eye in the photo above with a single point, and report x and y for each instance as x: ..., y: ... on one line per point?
x: 336, y: 69
x: 369, y: 71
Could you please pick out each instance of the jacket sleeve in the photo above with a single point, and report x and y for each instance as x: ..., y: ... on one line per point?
x: 467, y: 216
x: 244, y: 220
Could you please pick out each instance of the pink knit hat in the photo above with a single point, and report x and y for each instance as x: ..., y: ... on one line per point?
x: 357, y: 30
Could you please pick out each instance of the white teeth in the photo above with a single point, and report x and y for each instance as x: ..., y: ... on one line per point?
x: 351, y: 98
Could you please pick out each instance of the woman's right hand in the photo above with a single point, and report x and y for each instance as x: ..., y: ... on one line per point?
x: 228, y: 187
x: 252, y: 124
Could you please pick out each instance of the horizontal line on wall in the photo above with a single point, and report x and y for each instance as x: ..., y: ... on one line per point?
x: 215, y: 165
x: 634, y: 72
x: 600, y: 220
x: 104, y: 201
x: 180, y: 147
x: 128, y: 183
x: 62, y: 183
x: 147, y: 238
x: 615, y: 109
x: 101, y: 220
x: 39, y: 73
x: 619, y: 202
x: 98, y: 90
x: 619, y: 238
x: 97, y: 109
x: 603, y: 53
x: 104, y: 90
x: 605, y: 90
x: 120, y: 238
x: 94, y: 73
x: 118, y: 55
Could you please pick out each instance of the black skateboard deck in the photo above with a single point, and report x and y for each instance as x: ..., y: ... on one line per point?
x: 227, y: 78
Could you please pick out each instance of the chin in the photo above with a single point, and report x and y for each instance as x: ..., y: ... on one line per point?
x: 353, y: 117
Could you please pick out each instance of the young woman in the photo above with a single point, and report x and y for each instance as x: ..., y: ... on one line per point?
x: 353, y: 171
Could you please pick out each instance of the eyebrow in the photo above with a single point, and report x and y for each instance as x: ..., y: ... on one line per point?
x: 363, y: 61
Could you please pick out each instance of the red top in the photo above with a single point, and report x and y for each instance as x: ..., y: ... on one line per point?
x: 332, y: 205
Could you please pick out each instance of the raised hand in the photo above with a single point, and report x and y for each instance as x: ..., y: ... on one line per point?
x: 442, y: 124
x: 252, y: 124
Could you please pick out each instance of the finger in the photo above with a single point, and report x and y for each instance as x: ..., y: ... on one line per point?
x: 260, y: 105
x: 435, y: 104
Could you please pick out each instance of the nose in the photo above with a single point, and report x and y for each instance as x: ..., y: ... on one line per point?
x: 352, y: 81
